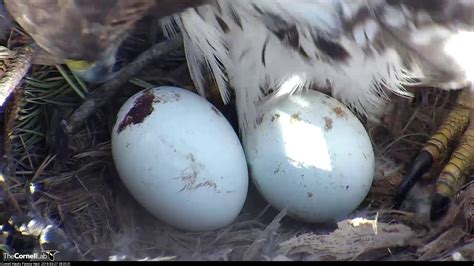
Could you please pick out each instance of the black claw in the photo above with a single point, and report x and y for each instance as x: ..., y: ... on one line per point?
x: 420, y: 165
x: 439, y: 206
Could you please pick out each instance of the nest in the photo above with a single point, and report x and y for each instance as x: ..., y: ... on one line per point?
x: 61, y: 191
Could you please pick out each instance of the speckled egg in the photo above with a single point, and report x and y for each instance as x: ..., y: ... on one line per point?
x: 180, y: 158
x: 311, y: 155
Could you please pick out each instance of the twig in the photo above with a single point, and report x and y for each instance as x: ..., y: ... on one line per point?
x: 102, y: 95
x: 252, y: 251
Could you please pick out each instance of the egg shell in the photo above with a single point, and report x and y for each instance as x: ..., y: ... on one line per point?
x: 180, y: 158
x: 311, y: 155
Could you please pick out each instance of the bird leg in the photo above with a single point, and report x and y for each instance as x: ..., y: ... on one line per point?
x: 454, y: 173
x: 456, y: 127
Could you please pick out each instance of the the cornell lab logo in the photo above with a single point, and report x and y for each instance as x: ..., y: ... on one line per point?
x: 45, y: 255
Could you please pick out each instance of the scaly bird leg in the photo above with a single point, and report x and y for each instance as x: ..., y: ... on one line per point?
x: 457, y: 126
x: 435, y: 149
x: 454, y: 173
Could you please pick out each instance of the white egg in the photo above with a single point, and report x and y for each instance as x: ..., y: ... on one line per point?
x: 180, y: 158
x: 311, y: 155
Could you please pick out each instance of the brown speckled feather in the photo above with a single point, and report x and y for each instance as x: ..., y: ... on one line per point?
x: 83, y: 29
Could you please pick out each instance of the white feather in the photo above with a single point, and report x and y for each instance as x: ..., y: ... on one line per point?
x: 169, y: 26
x: 205, y: 48
x: 258, y: 60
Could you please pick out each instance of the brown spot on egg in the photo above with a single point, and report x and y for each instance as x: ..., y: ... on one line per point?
x: 277, y: 169
x: 275, y: 117
x: 295, y: 117
x: 189, y: 181
x: 327, y: 123
x: 340, y: 112
x: 208, y: 183
x: 191, y: 157
x: 142, y: 108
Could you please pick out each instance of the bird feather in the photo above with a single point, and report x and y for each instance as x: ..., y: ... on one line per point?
x: 360, y: 51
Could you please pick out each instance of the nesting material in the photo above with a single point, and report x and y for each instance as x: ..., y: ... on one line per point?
x: 443, y: 243
x: 351, y: 239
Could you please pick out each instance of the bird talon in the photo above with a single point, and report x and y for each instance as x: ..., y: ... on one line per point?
x: 456, y: 127
x: 420, y: 165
